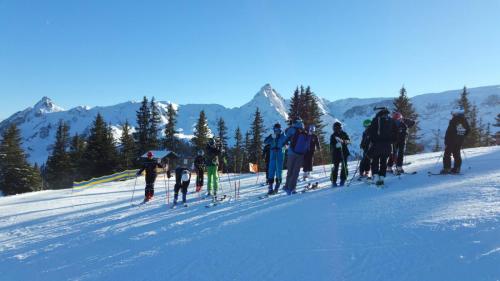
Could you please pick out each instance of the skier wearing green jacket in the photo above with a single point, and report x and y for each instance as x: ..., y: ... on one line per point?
x: 212, y: 157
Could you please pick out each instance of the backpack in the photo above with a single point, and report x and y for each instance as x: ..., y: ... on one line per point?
x: 300, y: 143
x: 384, y: 129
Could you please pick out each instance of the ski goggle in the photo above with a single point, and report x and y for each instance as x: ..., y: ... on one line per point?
x: 277, y: 130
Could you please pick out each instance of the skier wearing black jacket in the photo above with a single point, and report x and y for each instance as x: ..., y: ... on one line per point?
x: 398, y: 147
x: 182, y: 180
x: 382, y: 133
x: 313, y: 146
x: 338, y: 147
x: 149, y: 166
x: 458, y: 128
x: 199, y: 166
x: 266, y: 154
x: 364, y: 166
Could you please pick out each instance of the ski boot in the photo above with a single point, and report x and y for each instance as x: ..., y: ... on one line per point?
x: 380, y: 181
x: 342, y: 183
x: 334, y: 184
x: 455, y: 171
x: 445, y: 171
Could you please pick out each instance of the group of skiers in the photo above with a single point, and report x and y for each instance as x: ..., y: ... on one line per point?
x: 383, y: 146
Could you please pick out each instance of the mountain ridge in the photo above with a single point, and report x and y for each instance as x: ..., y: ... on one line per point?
x: 39, y: 123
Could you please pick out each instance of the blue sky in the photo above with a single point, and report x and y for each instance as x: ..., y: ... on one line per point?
x: 105, y: 52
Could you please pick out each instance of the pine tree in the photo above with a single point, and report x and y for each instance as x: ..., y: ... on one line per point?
x: 100, y: 157
x: 488, y: 137
x: 437, y: 140
x: 170, y: 138
x: 497, y: 120
x: 76, y: 150
x: 222, y: 133
x: 464, y: 103
x: 295, y: 106
x: 128, y: 153
x: 311, y: 115
x: 474, y: 137
x: 59, y: 169
x: 238, y: 151
x: 143, y: 118
x: 201, y: 132
x: 257, y: 131
x: 16, y: 175
x: 154, y: 124
x: 403, y: 105
x: 247, y: 151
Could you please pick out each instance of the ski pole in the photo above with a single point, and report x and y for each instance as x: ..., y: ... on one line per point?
x: 133, y: 191
x: 165, y: 184
x: 355, y: 171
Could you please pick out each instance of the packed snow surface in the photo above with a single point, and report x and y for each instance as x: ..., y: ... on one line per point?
x: 418, y: 227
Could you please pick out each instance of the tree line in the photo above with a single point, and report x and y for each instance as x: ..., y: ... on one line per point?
x: 79, y: 157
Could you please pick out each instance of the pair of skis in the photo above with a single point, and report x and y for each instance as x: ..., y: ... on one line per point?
x: 216, y: 201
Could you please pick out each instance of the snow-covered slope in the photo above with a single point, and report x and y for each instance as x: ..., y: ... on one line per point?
x: 417, y: 228
x: 39, y: 123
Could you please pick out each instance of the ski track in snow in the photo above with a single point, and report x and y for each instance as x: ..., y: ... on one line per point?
x: 419, y: 227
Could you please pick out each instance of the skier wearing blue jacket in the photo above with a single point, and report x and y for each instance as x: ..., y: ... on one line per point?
x: 276, y: 142
x: 299, y: 145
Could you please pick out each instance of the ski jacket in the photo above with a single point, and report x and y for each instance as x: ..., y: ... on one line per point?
x: 266, y: 153
x: 339, y: 149
x: 365, y: 141
x: 383, y: 128
x: 276, y: 145
x: 199, y: 162
x: 178, y: 175
x: 150, y: 167
x: 458, y: 128
x: 313, y: 143
x: 212, y: 153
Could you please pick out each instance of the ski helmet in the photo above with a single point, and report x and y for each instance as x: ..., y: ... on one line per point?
x: 150, y: 154
x: 277, y: 127
x: 311, y: 129
x: 397, y: 116
x: 211, y: 141
x: 367, y: 123
x: 337, y: 125
x: 185, y: 176
x: 200, y: 152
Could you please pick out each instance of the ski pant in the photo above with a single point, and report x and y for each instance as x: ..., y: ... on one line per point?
x: 398, y: 150
x: 275, y: 169
x: 213, y: 179
x: 364, y: 165
x: 181, y: 187
x: 379, y: 153
x: 455, y: 151
x: 335, y: 170
x: 267, y: 171
x: 293, y: 165
x: 199, y: 177
x: 308, y: 161
x: 150, y: 186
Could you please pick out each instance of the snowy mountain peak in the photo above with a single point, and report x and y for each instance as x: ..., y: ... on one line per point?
x: 267, y: 99
x: 46, y: 105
